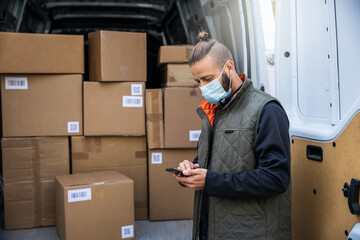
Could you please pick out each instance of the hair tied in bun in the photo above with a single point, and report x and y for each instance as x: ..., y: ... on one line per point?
x: 203, y: 37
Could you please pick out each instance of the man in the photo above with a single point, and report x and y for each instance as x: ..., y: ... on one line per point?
x: 242, y: 172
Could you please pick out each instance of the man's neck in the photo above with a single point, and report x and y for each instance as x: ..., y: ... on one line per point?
x: 235, y: 82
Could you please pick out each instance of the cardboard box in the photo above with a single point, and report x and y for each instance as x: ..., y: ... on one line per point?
x: 174, y: 54
x: 168, y: 200
x: 29, y: 169
x: 114, y: 109
x: 154, y: 118
x: 124, y: 154
x: 41, y: 53
x: 182, y: 125
x: 117, y: 56
x: 177, y: 75
x: 41, y: 105
x: 96, y: 205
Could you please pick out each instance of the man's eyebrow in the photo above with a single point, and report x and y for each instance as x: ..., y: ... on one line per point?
x: 206, y: 76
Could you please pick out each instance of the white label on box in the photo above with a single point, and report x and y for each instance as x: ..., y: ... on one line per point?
x: 131, y: 101
x: 79, y: 195
x: 136, y: 89
x: 127, y: 231
x: 194, y: 135
x: 16, y: 83
x: 156, y: 158
x: 73, y: 127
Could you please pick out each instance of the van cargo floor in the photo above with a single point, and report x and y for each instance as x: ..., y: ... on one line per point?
x: 145, y: 230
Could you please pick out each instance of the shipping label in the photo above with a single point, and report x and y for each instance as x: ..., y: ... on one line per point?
x: 73, y: 127
x: 156, y: 158
x: 194, y: 135
x: 79, y: 195
x: 127, y: 231
x: 16, y: 83
x: 132, y: 101
x: 136, y: 89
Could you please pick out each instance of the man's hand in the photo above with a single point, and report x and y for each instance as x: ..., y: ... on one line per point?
x: 187, y: 165
x: 195, y: 178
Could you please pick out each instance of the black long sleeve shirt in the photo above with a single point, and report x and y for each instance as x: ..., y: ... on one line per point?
x: 272, y: 175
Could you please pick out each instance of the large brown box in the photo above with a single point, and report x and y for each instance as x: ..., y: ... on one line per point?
x: 96, y: 205
x: 174, y: 54
x: 177, y: 75
x: 124, y: 154
x: 154, y: 118
x: 41, y: 105
x: 117, y: 56
x: 168, y: 200
x: 182, y: 125
x: 29, y: 169
x: 41, y: 53
x: 114, y: 109
x: 171, y: 118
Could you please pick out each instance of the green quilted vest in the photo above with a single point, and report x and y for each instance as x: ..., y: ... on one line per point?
x: 235, y: 131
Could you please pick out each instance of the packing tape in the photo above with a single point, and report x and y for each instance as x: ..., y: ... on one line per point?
x: 92, y: 144
x: 154, y: 117
x: 140, y: 154
x: 80, y: 156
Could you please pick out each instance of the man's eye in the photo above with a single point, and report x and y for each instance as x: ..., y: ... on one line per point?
x: 196, y: 80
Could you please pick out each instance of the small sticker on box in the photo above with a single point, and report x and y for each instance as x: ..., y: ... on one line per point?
x: 156, y: 158
x: 136, y: 89
x: 194, y: 135
x: 73, y: 127
x: 127, y: 231
x: 79, y: 195
x: 16, y: 83
x: 132, y: 101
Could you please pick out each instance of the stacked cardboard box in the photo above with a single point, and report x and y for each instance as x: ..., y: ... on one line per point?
x: 175, y: 71
x: 173, y: 130
x: 114, y: 111
x: 37, y: 108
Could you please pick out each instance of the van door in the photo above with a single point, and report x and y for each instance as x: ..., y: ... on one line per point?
x: 317, y: 67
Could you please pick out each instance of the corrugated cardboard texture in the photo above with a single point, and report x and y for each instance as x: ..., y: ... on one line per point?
x: 29, y: 169
x: 168, y: 200
x: 124, y: 154
x: 111, y: 206
x: 177, y: 75
x: 174, y: 54
x: 41, y: 53
x: 117, y: 56
x: 104, y: 114
x: 180, y: 116
x: 45, y: 108
x: 319, y: 208
x: 154, y: 118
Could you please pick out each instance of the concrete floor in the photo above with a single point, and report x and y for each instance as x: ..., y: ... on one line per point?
x: 144, y: 230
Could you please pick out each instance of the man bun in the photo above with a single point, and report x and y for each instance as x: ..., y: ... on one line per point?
x: 203, y: 37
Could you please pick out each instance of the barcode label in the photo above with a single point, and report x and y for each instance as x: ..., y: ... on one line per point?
x: 136, y: 89
x: 127, y: 231
x: 73, y: 127
x: 131, y: 101
x: 156, y: 158
x: 79, y: 195
x: 16, y: 83
x: 194, y: 135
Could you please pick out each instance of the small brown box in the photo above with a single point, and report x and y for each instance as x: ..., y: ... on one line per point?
x: 174, y: 54
x: 177, y: 75
x: 96, y: 205
x: 154, y: 118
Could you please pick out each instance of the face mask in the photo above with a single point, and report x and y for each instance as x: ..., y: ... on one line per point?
x: 213, y: 92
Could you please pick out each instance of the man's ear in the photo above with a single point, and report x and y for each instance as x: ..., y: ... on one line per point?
x: 230, y: 68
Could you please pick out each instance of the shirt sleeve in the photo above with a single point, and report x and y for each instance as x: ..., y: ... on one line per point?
x: 272, y: 150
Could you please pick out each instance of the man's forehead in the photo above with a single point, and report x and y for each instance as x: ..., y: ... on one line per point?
x: 205, y: 67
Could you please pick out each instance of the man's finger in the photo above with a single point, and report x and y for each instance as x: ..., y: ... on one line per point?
x: 192, y: 172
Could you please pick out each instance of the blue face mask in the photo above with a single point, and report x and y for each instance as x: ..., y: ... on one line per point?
x: 213, y: 92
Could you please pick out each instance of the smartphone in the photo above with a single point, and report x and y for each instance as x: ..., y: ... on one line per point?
x: 176, y: 171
